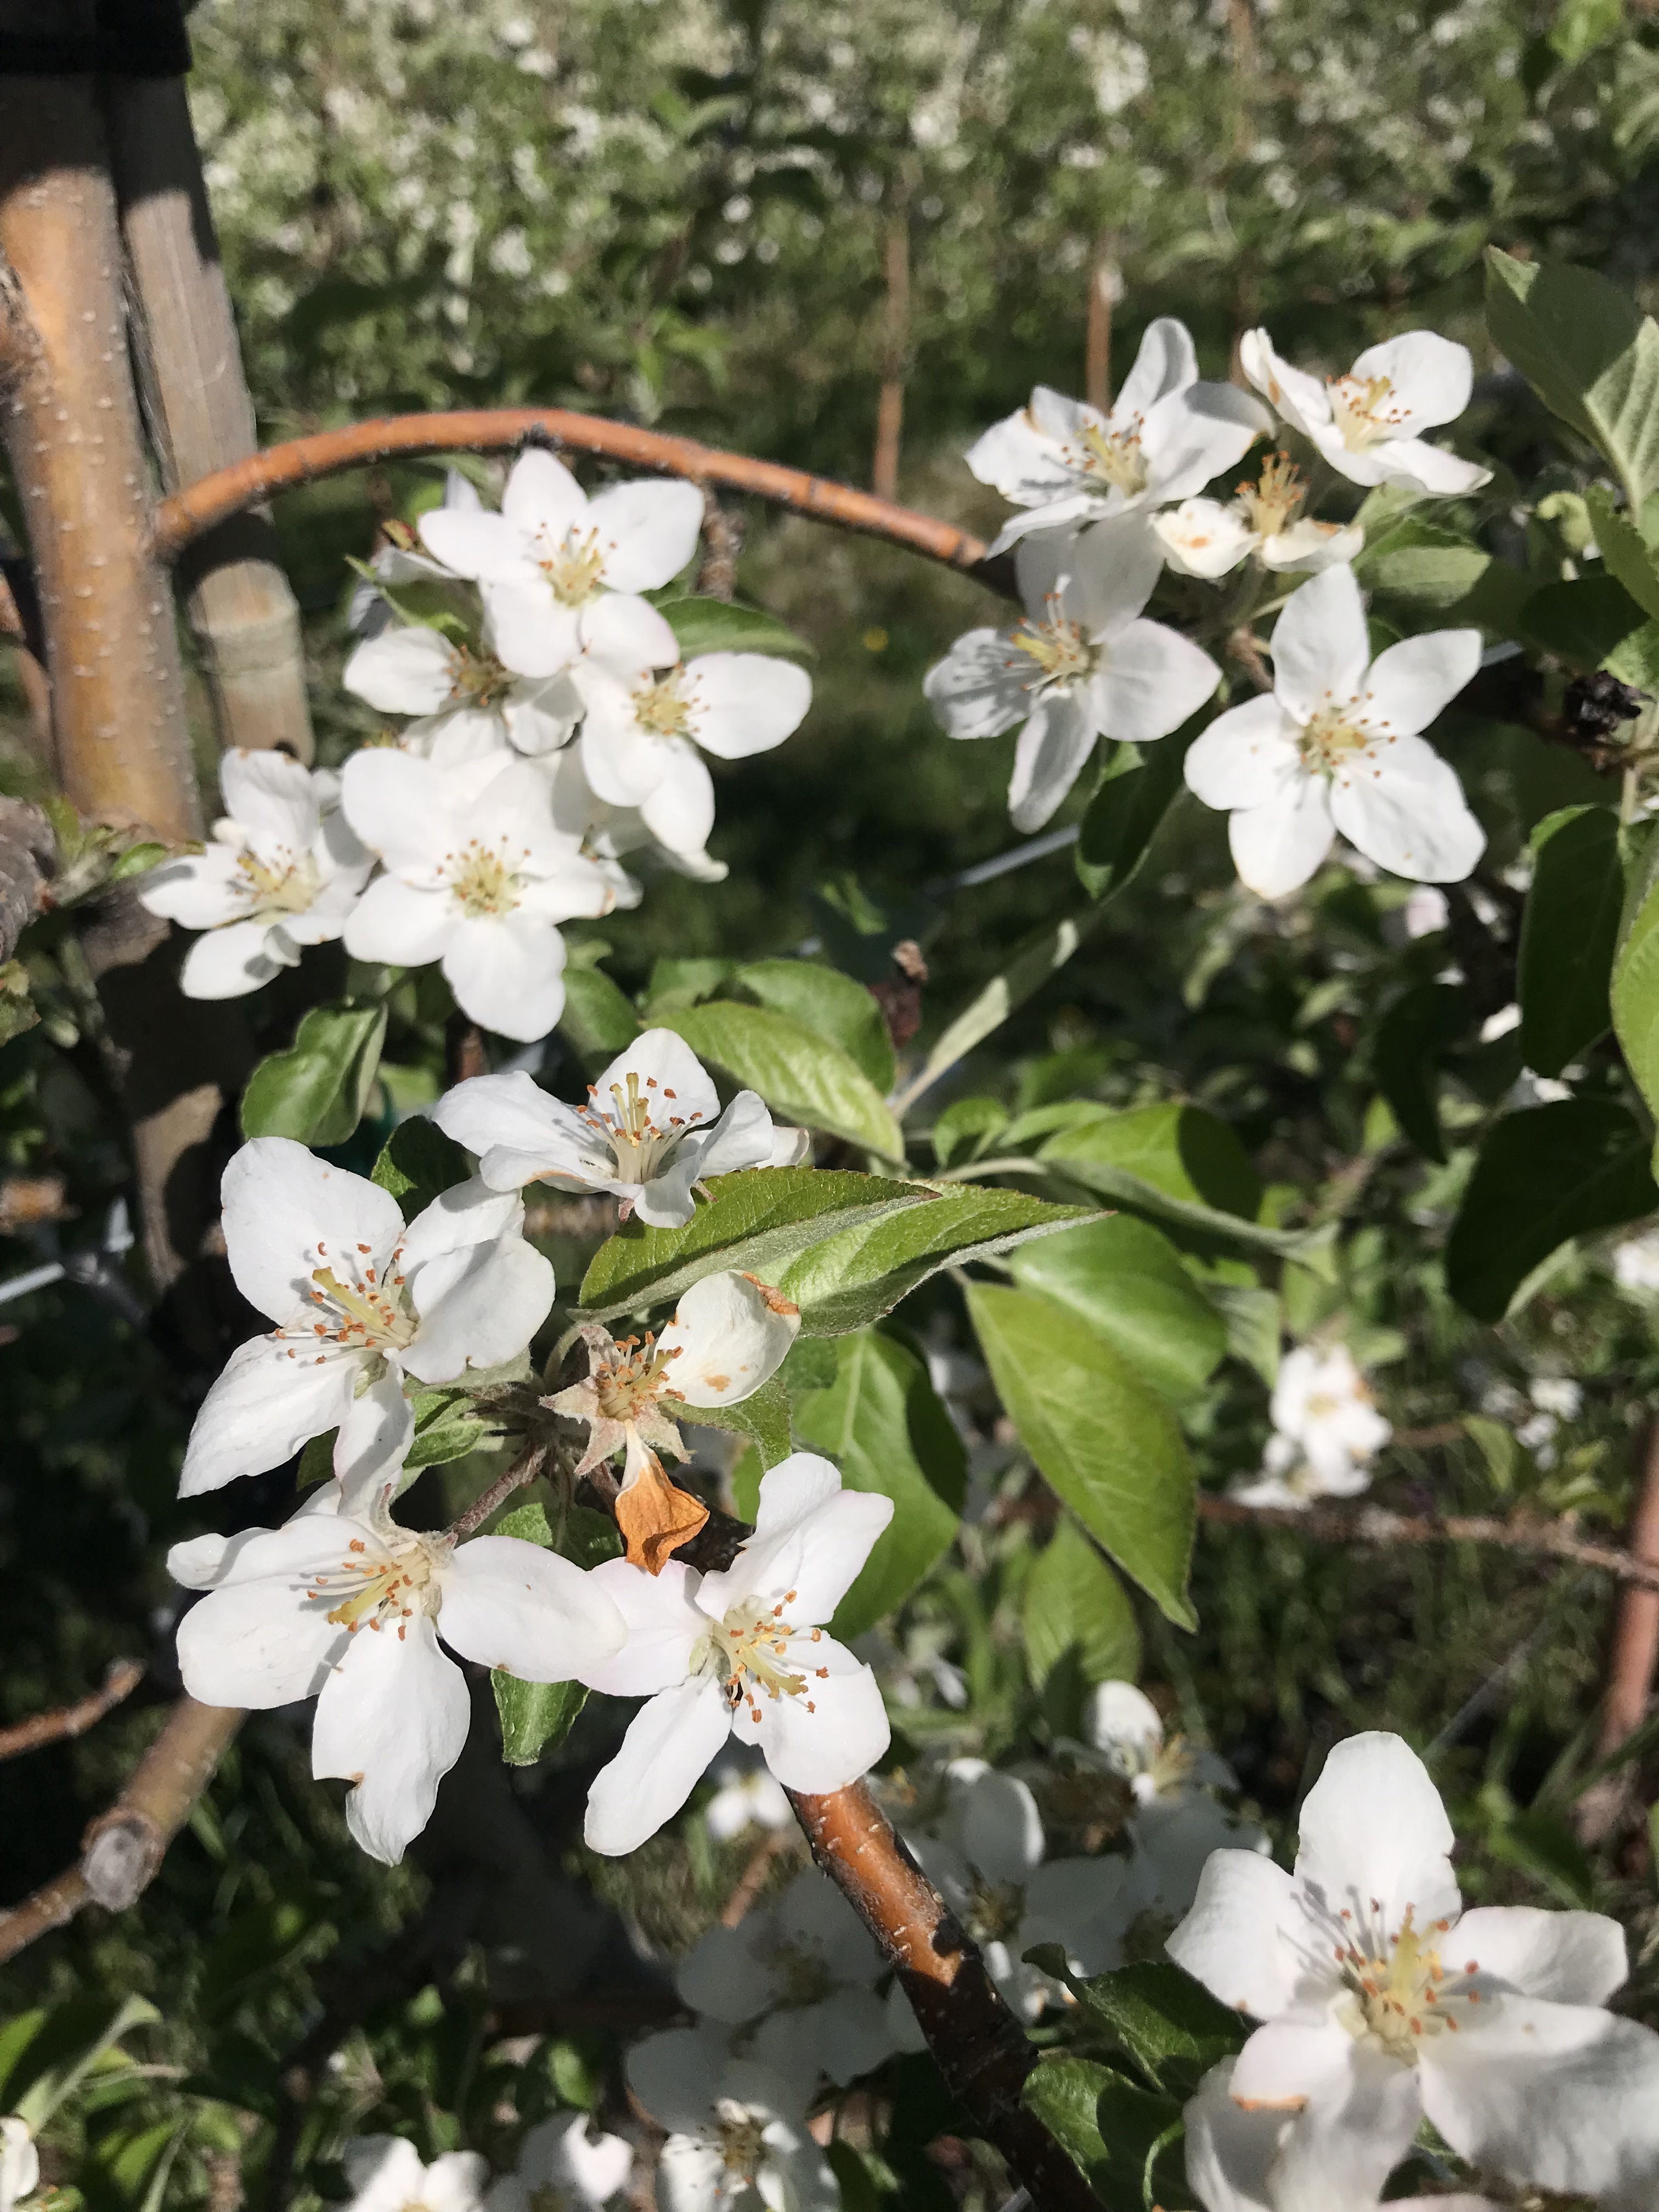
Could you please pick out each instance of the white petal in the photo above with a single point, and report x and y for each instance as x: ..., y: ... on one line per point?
x: 476, y: 543
x: 1277, y: 847
x: 1362, y: 2111
x: 1404, y: 808
x: 392, y: 1718
x: 1429, y: 378
x: 542, y: 498
x: 627, y: 636
x: 262, y: 1409
x: 981, y: 687
x: 1119, y: 1716
x: 1021, y: 461
x: 743, y: 1136
x: 1240, y: 1939
x: 487, y: 1315
x: 509, y: 1604
x: 402, y: 807
x: 1102, y: 577
x: 844, y: 2035
x: 662, y: 1625
x: 1308, y: 546
x: 261, y: 1639
x: 1201, y: 538
x: 829, y: 1736
x: 677, y: 2076
x: 454, y: 2182
x: 562, y: 2151
x: 726, y: 1976
x: 1413, y: 681
x: 997, y: 1824
x: 383, y: 2171
x: 650, y: 531
x: 725, y: 1340
x: 1050, y: 756
x: 1178, y: 1835
x: 668, y: 1745
x: 541, y: 715
x: 1165, y: 362
x: 1085, y: 1904
x: 201, y: 891
x: 279, y: 1201
x: 679, y: 812
x: 373, y: 1443
x: 745, y: 703
x: 1244, y: 757
x: 507, y: 973
x: 409, y: 670
x: 621, y: 761
x: 1569, y: 1958
x: 1193, y: 436
x: 1373, y: 1827
x: 667, y: 1069
x: 1230, y: 2152
x: 1321, y: 647
x: 457, y: 1221
x: 519, y: 1132
x: 1428, y: 468
x: 227, y: 963
x: 1152, y: 680
x: 1300, y: 399
x: 819, y: 1556
x: 531, y: 633
x: 396, y: 922
x: 273, y: 796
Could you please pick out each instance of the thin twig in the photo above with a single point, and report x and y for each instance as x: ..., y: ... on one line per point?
x: 1375, y: 1524
x: 524, y: 1469
x: 184, y: 517
x: 122, y: 1680
x: 769, y: 1848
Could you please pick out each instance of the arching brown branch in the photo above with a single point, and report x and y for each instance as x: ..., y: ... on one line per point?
x: 181, y: 519
x: 122, y: 1680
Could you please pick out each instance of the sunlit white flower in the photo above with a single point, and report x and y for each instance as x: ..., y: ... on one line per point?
x: 1326, y: 1431
x: 564, y: 2168
x: 742, y: 1652
x: 478, y: 876
x: 1166, y: 436
x: 1335, y: 747
x: 987, y: 1856
x: 359, y: 1301
x: 20, y: 2163
x: 562, y: 573
x: 350, y: 1609
x: 1083, y: 664
x: 1385, y: 2003
x: 747, y: 1797
x: 1202, y: 538
x: 799, y: 1976
x: 1636, y: 1264
x: 1369, y: 423
x: 281, y: 871
x: 400, y: 561
x: 651, y: 1130
x: 385, y: 2174
x: 640, y: 737
x: 738, y: 2140
x: 468, y: 702
x: 1176, y: 1821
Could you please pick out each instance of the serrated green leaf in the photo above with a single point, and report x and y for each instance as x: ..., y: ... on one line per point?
x: 447, y: 1428
x: 1634, y: 992
x: 138, y: 860
x: 884, y: 1426
x: 1126, y: 1280
x: 1423, y: 565
x: 1168, y: 2027
x: 418, y: 1164
x: 1180, y: 1152
x: 1568, y: 934
x: 316, y: 1461
x: 533, y: 1715
x: 1073, y: 1602
x: 966, y: 1125
x: 1036, y: 961
x: 1543, y: 1176
x: 805, y: 1077
x: 1106, y: 1443
x: 1107, y: 2126
x: 1589, y: 354
x: 824, y: 999
x: 763, y: 1415
x: 757, y: 1222
x: 853, y: 1279
x: 596, y: 1018
x: 315, y: 1092
x: 1130, y: 801
x: 1626, y: 553
x: 727, y: 626
x: 1414, y: 1034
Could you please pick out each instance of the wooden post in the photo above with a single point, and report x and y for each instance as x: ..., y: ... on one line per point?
x: 896, y: 346
x: 200, y: 415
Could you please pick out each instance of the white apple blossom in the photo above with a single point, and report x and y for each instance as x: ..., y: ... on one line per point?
x: 742, y: 1652
x: 1335, y: 747
x: 20, y: 2163
x: 747, y: 1797
x: 1202, y: 538
x: 385, y: 2174
x: 478, y: 876
x: 1176, y: 1821
x: 359, y: 1301
x: 1166, y: 436
x: 1326, y: 1431
x: 1636, y: 1264
x: 652, y: 1131
x: 641, y: 734
x: 738, y: 2140
x: 562, y: 574
x: 799, y: 1976
x: 468, y: 702
x: 281, y: 871
x: 1083, y: 664
x: 987, y: 1856
x: 399, y: 560
x: 564, y: 2168
x: 1385, y: 2003
x: 730, y: 1334
x: 285, y: 1617
x: 1369, y: 423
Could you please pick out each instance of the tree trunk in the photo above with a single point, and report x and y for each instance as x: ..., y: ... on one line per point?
x: 1105, y: 290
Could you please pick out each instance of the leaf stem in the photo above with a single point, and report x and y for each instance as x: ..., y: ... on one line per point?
x: 524, y: 1469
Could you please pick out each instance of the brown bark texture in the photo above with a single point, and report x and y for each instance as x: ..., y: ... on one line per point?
x: 896, y: 348
x: 1097, y: 335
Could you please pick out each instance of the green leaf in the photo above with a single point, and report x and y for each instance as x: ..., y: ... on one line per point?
x: 1172, y: 2029
x: 1107, y: 2126
x: 1569, y: 933
x: 596, y: 1018
x: 1581, y: 26
x: 1130, y: 801
x: 1036, y: 961
x: 757, y: 1222
x: 1423, y: 565
x: 447, y: 1428
x: 1634, y: 995
x: 807, y: 1078
x: 965, y: 1124
x: 824, y: 999
x: 18, y: 1010
x: 853, y: 1279
x: 316, y: 1092
x: 764, y: 1416
x: 1626, y: 553
x: 884, y: 1427
x: 1108, y: 1443
x: 1254, y: 1324
x: 1125, y: 1278
x: 727, y: 626
x: 138, y: 860
x: 417, y: 1163
x: 1073, y: 1602
x: 1589, y: 354
x: 1410, y: 1038
x: 1543, y: 1176
x: 533, y: 1715
x: 1179, y: 1151
x: 683, y: 983
x: 1591, y: 622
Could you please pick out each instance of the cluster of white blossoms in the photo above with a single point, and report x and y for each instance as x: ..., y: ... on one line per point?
x: 563, y: 731
x: 1326, y: 1431
x: 1110, y: 499
x: 561, y: 2168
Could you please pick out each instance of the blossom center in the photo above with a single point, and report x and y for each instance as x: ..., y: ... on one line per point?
x: 476, y: 679
x: 639, y: 1133
x: 1399, y: 1992
x: 384, y: 1590
x: 662, y: 708
x: 278, y: 890
x: 482, y: 879
x: 1114, y: 458
x: 1331, y: 739
x: 751, y: 1652
x: 805, y: 1975
x: 1273, y: 503
x: 630, y: 1379
x: 575, y: 567
x: 1062, y: 650
x: 363, y: 1308
x: 1361, y: 408
x: 995, y: 1910
x: 742, y: 2137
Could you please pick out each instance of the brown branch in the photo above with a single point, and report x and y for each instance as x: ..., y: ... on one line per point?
x: 982, y: 2051
x: 180, y: 519
x: 125, y: 1846
x: 122, y: 1680
x: 1631, y: 1660
x: 770, y: 1848
x: 524, y: 1469
x: 1364, y: 1523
